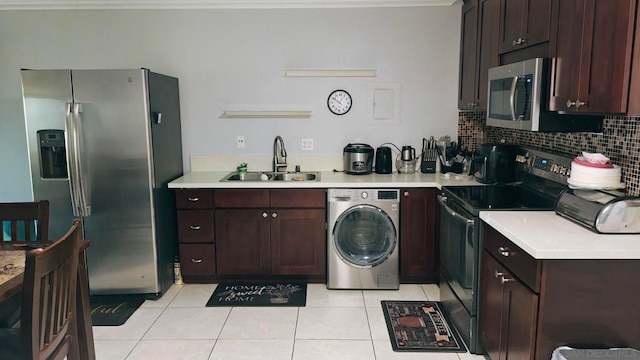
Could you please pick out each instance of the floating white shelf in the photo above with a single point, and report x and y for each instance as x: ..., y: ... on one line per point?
x: 266, y: 114
x: 210, y: 4
x: 330, y: 73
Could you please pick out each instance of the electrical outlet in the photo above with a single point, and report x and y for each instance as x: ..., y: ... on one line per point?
x: 307, y: 144
x: 240, y: 142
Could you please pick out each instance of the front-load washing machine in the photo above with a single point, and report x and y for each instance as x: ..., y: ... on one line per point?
x: 362, y: 244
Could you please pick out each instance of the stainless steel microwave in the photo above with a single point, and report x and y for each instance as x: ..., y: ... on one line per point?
x: 517, y: 98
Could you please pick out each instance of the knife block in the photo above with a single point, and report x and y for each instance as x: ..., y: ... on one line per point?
x: 428, y: 163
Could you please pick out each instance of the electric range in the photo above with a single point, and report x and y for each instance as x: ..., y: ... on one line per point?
x: 541, y: 177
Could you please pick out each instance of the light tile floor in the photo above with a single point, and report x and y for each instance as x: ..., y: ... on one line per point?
x: 335, y: 324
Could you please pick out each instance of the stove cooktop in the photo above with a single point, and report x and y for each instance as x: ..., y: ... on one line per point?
x: 542, y: 177
x: 498, y: 197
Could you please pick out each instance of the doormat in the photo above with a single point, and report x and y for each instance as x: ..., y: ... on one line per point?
x: 113, y: 310
x: 259, y: 294
x: 420, y: 326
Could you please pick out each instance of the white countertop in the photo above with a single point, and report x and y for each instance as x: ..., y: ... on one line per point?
x: 328, y: 179
x: 545, y: 235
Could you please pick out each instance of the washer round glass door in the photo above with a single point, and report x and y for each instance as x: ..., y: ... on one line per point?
x: 364, y: 235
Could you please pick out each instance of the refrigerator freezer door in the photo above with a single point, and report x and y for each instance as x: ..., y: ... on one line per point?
x: 116, y: 171
x: 46, y: 94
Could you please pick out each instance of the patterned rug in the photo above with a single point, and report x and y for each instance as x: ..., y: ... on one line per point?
x: 259, y: 294
x: 420, y: 326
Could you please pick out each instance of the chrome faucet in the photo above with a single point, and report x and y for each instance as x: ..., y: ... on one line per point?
x: 279, y: 155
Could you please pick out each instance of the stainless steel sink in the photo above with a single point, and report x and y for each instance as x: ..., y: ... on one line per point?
x: 247, y: 176
x: 293, y: 176
x: 271, y: 176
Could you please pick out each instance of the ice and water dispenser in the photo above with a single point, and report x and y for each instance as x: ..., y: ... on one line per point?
x: 53, y: 159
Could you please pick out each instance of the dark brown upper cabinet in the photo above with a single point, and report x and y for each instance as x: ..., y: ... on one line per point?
x: 591, y: 54
x: 478, y: 51
x: 523, y: 23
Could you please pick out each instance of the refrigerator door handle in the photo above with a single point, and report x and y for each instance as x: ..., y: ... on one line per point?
x: 72, y: 161
x: 85, y: 207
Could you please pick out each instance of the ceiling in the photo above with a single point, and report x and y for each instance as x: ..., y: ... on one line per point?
x: 211, y: 4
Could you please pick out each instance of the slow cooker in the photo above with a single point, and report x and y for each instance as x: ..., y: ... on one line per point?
x: 358, y: 159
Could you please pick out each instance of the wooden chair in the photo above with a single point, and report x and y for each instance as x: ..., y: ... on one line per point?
x: 48, y: 302
x: 23, y: 218
x: 19, y: 220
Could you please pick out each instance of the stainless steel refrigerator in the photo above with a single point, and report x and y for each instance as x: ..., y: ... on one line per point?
x: 103, y: 145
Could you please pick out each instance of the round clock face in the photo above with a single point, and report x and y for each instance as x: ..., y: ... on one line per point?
x: 339, y: 102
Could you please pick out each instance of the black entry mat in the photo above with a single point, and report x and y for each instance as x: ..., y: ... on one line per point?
x: 113, y: 310
x: 420, y: 326
x: 259, y: 294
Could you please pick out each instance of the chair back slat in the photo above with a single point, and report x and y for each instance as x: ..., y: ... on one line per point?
x: 49, y: 295
x: 25, y: 221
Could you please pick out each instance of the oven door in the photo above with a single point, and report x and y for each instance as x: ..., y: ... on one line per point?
x: 459, y: 251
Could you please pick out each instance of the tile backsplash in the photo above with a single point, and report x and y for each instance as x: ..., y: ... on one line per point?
x: 619, y: 141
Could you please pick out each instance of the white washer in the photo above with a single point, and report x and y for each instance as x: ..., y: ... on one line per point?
x: 362, y: 244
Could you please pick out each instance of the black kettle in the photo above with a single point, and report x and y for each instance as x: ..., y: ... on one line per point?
x: 384, y: 162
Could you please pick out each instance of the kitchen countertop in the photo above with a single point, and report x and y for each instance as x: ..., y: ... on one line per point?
x: 328, y: 179
x: 545, y: 235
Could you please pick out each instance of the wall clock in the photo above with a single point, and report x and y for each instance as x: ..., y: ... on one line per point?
x: 339, y: 102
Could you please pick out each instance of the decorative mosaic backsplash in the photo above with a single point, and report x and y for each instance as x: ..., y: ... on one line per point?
x: 619, y: 141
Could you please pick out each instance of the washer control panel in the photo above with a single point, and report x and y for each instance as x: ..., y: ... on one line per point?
x: 367, y: 195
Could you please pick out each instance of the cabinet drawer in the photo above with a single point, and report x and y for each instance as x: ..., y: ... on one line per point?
x: 194, y: 199
x: 197, y: 259
x: 244, y: 198
x: 298, y: 198
x: 516, y: 260
x: 195, y: 226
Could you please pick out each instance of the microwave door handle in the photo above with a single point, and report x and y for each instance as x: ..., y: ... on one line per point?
x: 512, y: 98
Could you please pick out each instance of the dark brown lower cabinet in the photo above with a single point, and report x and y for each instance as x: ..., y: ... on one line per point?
x: 271, y: 232
x: 197, y: 260
x: 298, y: 242
x: 243, y: 242
x: 529, y: 307
x: 509, y: 312
x: 418, y: 235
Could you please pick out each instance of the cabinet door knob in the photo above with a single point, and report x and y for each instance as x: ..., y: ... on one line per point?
x: 472, y: 104
x: 580, y: 103
x: 570, y: 103
x: 504, y: 280
x: 194, y: 227
x: 504, y: 251
x: 519, y: 41
x: 498, y: 274
x: 274, y: 215
x: 405, y: 194
x: 264, y: 214
x: 193, y: 199
x: 196, y: 261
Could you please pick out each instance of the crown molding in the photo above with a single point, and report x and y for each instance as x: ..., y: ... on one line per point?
x: 211, y: 4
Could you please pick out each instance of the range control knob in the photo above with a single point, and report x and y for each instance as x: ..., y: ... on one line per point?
x: 364, y: 195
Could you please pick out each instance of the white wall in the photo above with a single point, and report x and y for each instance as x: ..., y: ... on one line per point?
x: 238, y: 57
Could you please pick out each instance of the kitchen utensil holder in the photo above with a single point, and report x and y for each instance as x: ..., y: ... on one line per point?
x: 456, y: 168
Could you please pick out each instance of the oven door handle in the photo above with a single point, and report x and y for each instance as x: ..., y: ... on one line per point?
x: 443, y: 201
